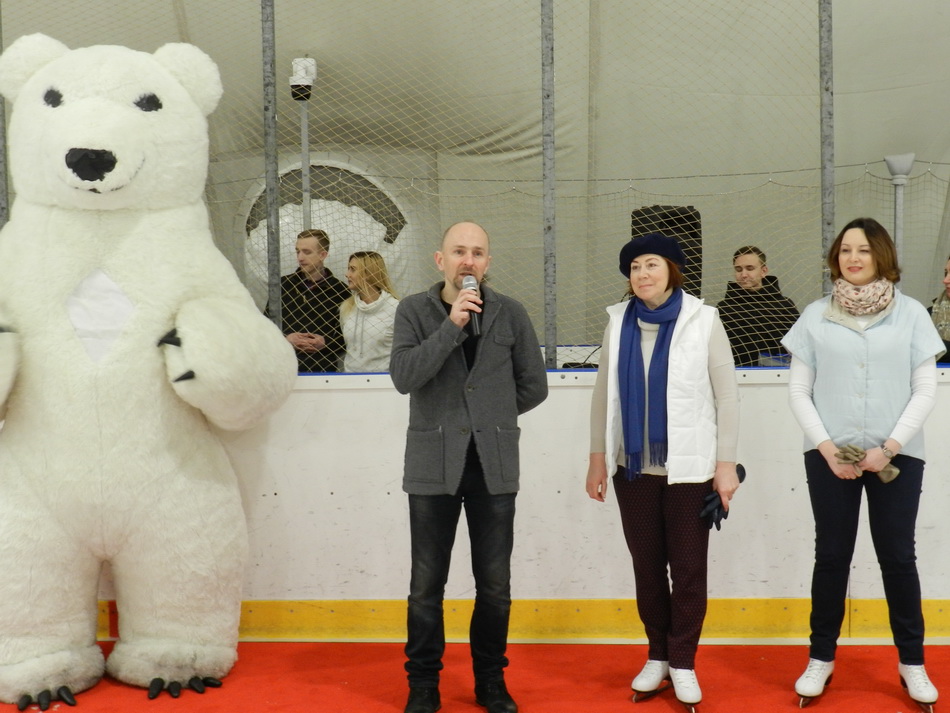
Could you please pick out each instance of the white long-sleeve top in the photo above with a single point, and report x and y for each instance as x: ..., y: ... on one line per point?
x: 368, y: 332
x: 801, y: 384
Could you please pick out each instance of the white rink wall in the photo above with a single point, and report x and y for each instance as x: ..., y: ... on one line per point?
x: 328, y: 520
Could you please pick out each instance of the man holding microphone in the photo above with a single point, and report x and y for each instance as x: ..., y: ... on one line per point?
x: 470, y: 360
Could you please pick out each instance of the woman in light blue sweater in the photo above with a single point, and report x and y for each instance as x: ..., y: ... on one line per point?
x: 863, y: 376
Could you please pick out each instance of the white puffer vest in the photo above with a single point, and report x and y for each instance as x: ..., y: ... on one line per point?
x: 691, y: 405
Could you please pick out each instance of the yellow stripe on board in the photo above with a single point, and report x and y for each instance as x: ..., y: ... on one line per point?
x: 550, y: 619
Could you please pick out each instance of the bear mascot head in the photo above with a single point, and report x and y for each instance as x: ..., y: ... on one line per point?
x: 126, y: 340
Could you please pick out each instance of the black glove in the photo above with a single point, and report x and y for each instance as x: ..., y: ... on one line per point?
x: 713, y: 511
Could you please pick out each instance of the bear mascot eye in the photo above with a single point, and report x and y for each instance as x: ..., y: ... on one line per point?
x: 53, y: 97
x: 148, y: 102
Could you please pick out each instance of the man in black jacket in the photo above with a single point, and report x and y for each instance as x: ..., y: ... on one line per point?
x: 754, y: 312
x: 310, y: 306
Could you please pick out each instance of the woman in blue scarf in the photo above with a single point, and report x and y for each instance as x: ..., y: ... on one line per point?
x: 664, y: 423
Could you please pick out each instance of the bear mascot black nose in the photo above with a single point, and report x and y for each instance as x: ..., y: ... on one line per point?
x: 90, y: 164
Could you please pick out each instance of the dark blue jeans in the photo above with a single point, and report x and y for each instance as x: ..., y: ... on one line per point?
x: 892, y: 515
x: 433, y: 521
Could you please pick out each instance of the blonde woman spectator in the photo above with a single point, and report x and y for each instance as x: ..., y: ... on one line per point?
x: 367, y: 316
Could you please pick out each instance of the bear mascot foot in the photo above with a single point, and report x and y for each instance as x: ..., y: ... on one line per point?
x: 170, y: 666
x: 56, y: 676
x: 196, y: 684
x: 45, y: 698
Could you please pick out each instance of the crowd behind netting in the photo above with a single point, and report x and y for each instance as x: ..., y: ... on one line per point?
x: 346, y: 325
x: 335, y: 325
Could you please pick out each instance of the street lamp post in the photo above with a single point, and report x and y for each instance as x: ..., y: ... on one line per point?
x: 301, y: 83
x: 900, y: 166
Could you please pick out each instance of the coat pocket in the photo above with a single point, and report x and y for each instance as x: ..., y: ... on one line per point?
x: 425, y: 456
x: 508, y: 453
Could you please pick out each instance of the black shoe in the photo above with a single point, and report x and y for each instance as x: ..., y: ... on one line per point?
x: 495, y: 697
x: 423, y: 700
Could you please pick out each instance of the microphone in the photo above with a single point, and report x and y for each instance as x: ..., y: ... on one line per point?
x: 475, y: 318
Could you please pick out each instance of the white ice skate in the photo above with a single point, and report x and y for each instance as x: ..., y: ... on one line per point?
x: 686, y: 687
x: 653, y: 679
x: 811, y: 684
x: 915, y: 680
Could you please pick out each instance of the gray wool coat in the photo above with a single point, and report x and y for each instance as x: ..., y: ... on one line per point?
x: 448, y: 404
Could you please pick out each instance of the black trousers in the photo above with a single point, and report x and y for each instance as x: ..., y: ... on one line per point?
x: 433, y: 521
x: 892, y: 514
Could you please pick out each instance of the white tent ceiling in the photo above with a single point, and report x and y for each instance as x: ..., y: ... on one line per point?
x: 441, y: 98
x: 891, y: 60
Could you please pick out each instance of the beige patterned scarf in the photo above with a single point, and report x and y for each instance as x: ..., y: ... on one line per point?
x: 863, y: 299
x: 940, y: 314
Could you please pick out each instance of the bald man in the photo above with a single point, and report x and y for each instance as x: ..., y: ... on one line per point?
x: 468, y: 387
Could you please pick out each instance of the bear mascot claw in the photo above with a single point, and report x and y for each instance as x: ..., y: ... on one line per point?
x: 126, y: 338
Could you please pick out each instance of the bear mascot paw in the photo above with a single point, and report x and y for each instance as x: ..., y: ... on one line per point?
x: 126, y: 341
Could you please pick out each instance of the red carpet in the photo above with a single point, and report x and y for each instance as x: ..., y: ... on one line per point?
x: 544, y: 678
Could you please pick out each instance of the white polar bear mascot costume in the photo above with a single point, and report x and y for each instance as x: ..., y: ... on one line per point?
x: 124, y: 337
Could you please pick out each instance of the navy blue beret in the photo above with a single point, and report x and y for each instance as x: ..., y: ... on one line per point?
x: 651, y: 244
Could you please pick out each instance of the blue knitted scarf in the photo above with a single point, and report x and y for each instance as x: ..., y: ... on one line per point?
x: 633, y: 388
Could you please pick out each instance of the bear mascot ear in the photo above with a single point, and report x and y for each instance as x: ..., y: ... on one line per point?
x: 196, y: 72
x: 24, y: 58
